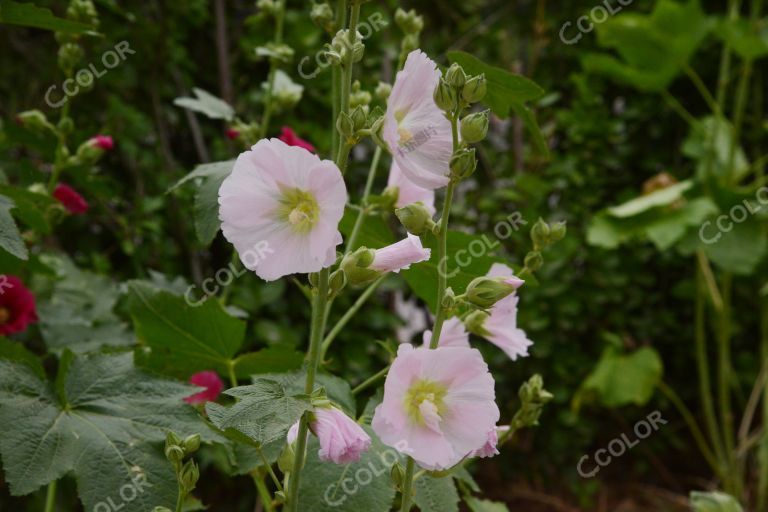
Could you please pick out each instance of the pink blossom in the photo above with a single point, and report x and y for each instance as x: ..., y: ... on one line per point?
x: 453, y: 334
x: 415, y: 129
x: 506, y: 273
x: 408, y: 191
x: 342, y: 440
x: 71, y: 199
x: 231, y: 133
x: 103, y: 142
x: 293, y: 433
x: 400, y: 255
x: 501, y: 328
x: 438, y: 405
x: 289, y: 136
x: 490, y: 448
x: 281, y: 207
x: 212, y: 384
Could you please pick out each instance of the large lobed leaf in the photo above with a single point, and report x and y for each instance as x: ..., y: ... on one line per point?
x: 620, y: 379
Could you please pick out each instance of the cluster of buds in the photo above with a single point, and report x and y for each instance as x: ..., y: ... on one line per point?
x: 70, y: 51
x: 360, y: 122
x: 411, y: 24
x: 341, y: 50
x: 322, y: 16
x: 543, y: 235
x: 533, y: 397
x: 187, y: 473
x: 277, y: 52
x: 359, y: 97
x: 246, y: 133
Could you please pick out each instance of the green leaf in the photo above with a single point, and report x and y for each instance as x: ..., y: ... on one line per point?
x: 373, y: 234
x: 207, y: 104
x: 747, y: 38
x: 29, y: 15
x: 739, y: 250
x: 31, y: 207
x: 263, y: 411
x: 504, y: 88
x: 709, y: 143
x: 620, y: 379
x: 714, y: 502
x: 365, y: 485
x: 529, y: 121
x: 181, y: 339
x: 653, y: 48
x: 476, y: 505
x: 436, y: 494
x: 336, y: 389
x: 213, y: 169
x: 661, y: 197
x: 671, y: 228
x: 15, y: 352
x: 79, y: 313
x: 108, y: 430
x: 271, y: 359
x: 10, y: 237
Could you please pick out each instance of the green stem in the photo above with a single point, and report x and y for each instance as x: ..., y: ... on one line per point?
x: 724, y: 384
x: 678, y: 108
x: 268, y: 107
x: 349, y: 314
x: 50, y: 497
x: 231, y: 373
x: 264, y: 495
x: 405, y: 504
x: 269, y: 469
x: 366, y: 192
x: 703, y: 90
x: 179, y: 497
x: 370, y: 380
x: 762, y: 500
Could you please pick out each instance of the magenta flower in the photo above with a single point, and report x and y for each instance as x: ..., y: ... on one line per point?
x: 231, y: 133
x: 415, y: 129
x: 453, y: 334
x: 408, y: 191
x: 400, y: 255
x: 211, y: 382
x: 17, y: 305
x: 438, y: 405
x: 72, y: 201
x: 281, y: 207
x: 289, y: 136
x: 342, y: 440
x: 103, y: 142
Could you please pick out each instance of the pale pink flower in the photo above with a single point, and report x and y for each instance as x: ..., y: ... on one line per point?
x: 293, y: 433
x: 489, y: 449
x: 342, y: 440
x: 408, y: 191
x: 400, y: 255
x: 281, y: 208
x: 503, y: 271
x: 438, y: 405
x: 501, y: 328
x: 453, y: 334
x: 415, y: 129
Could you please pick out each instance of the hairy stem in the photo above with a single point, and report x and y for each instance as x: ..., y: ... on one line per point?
x: 268, y: 101
x: 405, y: 504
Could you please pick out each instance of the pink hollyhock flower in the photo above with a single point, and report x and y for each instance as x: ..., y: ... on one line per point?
x: 400, y: 255
x: 438, y: 405
x: 502, y: 271
x: 490, y: 449
x: 104, y: 142
x: 342, y: 440
x: 453, y: 334
x: 408, y: 191
x: 415, y: 129
x: 281, y: 209
x: 289, y: 136
x: 72, y: 201
x: 212, y: 384
x: 293, y: 433
x: 17, y: 305
x: 231, y: 133
x: 500, y: 328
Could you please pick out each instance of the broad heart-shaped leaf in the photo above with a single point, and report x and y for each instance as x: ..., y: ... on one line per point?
x: 78, y: 315
x: 714, y: 502
x: 211, y: 177
x: 436, y: 494
x: 268, y: 360
x: 468, y: 257
x: 181, y: 339
x: 363, y: 486
x: 336, y: 389
x: 739, y: 250
x: 10, y: 238
x: 748, y: 39
x: 653, y: 48
x: 661, y: 197
x: 620, y: 379
x: 104, y: 421
x: 27, y: 14
x: 263, y: 411
x: 476, y: 505
x: 206, y: 104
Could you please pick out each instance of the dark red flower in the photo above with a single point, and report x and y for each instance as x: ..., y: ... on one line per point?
x: 289, y: 137
x: 231, y: 133
x: 212, y: 384
x: 72, y: 201
x: 104, y: 142
x: 17, y: 305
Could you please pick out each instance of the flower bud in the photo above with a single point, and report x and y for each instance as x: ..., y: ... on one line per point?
x: 69, y: 55
x: 175, y: 454
x: 359, y: 97
x: 191, y: 444
x: 444, y: 96
x: 474, y: 127
x: 455, y: 76
x: 358, y: 117
x: 66, y: 125
x: 484, y: 292
x: 410, y: 43
x: 463, y: 163
x: 337, y: 282
x: 557, y: 231
x: 34, y: 120
x: 355, y: 266
x: 345, y: 125
x: 383, y: 90
x: 540, y: 234
x: 190, y: 473
x: 534, y: 261
x: 287, y: 457
x: 475, y: 322
x: 474, y: 90
x: 83, y: 11
x: 408, y: 21
x: 449, y: 299
x: 322, y: 16
x: 415, y: 218
x: 171, y: 439
x: 398, y: 474
x: 358, y: 50
x: 533, y: 397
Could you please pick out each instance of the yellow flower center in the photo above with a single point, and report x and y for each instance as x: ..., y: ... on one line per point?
x: 5, y: 316
x: 424, y: 391
x: 300, y: 209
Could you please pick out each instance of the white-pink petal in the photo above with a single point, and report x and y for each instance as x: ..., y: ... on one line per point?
x: 400, y: 255
x: 408, y: 191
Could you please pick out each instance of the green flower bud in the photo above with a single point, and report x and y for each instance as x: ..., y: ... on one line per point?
x: 474, y: 127
x: 410, y: 43
x: 345, y: 125
x: 463, y: 163
x: 359, y: 97
x: 66, y: 125
x: 174, y: 454
x: 455, y: 76
x: 474, y: 90
x: 337, y: 282
x: 171, y: 439
x: 358, y: 119
x: 34, y: 120
x: 540, y: 234
x: 191, y: 444
x: 83, y: 11
x: 322, y: 16
x: 190, y: 473
x: 383, y: 90
x: 475, y: 321
x: 533, y: 397
x: 415, y: 218
x: 444, y: 96
x: 355, y: 266
x: 557, y: 231
x: 534, y: 261
x: 287, y: 457
x: 449, y: 299
x: 69, y: 55
x: 398, y: 474
x: 484, y: 292
x: 358, y: 50
x: 314, y: 279
x: 409, y: 22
